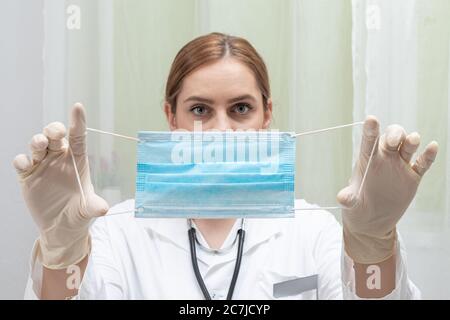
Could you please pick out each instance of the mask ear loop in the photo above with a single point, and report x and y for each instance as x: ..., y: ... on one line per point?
x: 295, y: 135
x: 113, y: 134
x: 77, y: 174
x: 358, y: 197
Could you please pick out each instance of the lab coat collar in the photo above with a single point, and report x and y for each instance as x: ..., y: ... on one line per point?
x: 171, y: 229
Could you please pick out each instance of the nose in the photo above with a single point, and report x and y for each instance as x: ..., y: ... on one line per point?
x: 221, y: 122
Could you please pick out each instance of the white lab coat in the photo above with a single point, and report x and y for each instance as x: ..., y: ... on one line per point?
x: 150, y: 259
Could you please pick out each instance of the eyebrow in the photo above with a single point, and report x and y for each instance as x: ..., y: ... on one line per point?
x: 206, y: 100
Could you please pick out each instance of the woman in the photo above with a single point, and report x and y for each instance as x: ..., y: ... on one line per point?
x: 221, y: 81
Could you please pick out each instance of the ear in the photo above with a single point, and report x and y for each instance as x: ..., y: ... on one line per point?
x: 268, y: 114
x: 171, y: 119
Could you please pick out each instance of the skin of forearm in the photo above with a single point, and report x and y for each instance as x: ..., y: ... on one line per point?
x: 375, y: 280
x: 62, y: 284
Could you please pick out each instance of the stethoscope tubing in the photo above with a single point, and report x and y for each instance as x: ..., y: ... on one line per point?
x: 237, y: 267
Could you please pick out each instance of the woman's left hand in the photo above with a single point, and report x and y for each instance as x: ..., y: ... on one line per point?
x: 391, y: 183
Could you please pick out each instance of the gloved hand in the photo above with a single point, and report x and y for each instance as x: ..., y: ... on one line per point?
x: 52, y: 193
x: 369, y: 222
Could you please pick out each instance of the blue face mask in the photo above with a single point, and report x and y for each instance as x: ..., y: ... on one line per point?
x: 214, y: 174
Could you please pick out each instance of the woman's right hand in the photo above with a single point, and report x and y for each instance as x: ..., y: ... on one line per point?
x: 52, y: 192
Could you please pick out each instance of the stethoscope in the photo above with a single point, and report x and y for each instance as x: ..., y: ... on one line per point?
x: 193, y: 241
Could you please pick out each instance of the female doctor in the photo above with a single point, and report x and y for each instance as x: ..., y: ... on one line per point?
x: 223, y: 82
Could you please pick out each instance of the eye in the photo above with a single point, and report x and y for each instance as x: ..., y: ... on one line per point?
x: 199, y: 110
x: 242, y: 108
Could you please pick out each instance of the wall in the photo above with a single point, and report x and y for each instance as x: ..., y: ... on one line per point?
x: 21, y: 117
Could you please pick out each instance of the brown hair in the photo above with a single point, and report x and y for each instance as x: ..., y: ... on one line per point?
x: 209, y: 48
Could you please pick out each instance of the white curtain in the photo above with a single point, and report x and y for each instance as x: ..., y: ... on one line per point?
x: 330, y: 62
x: 401, y: 72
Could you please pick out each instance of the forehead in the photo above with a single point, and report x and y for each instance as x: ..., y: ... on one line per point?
x: 224, y: 77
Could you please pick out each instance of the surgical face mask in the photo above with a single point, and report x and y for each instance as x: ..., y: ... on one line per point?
x: 214, y: 174
x: 217, y: 174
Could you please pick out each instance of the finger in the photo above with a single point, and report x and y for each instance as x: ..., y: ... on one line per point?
x: 426, y: 159
x: 22, y: 163
x: 38, y: 146
x: 96, y: 206
x: 347, y: 197
x: 371, y: 131
x: 55, y: 133
x: 409, y: 146
x: 393, y: 138
x: 77, y: 131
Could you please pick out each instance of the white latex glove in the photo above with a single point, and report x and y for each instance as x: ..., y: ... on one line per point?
x: 53, y: 196
x: 369, y: 222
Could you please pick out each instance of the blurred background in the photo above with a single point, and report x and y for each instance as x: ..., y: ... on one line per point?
x: 330, y: 63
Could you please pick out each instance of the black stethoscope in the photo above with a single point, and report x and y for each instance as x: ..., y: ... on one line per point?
x: 193, y: 240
